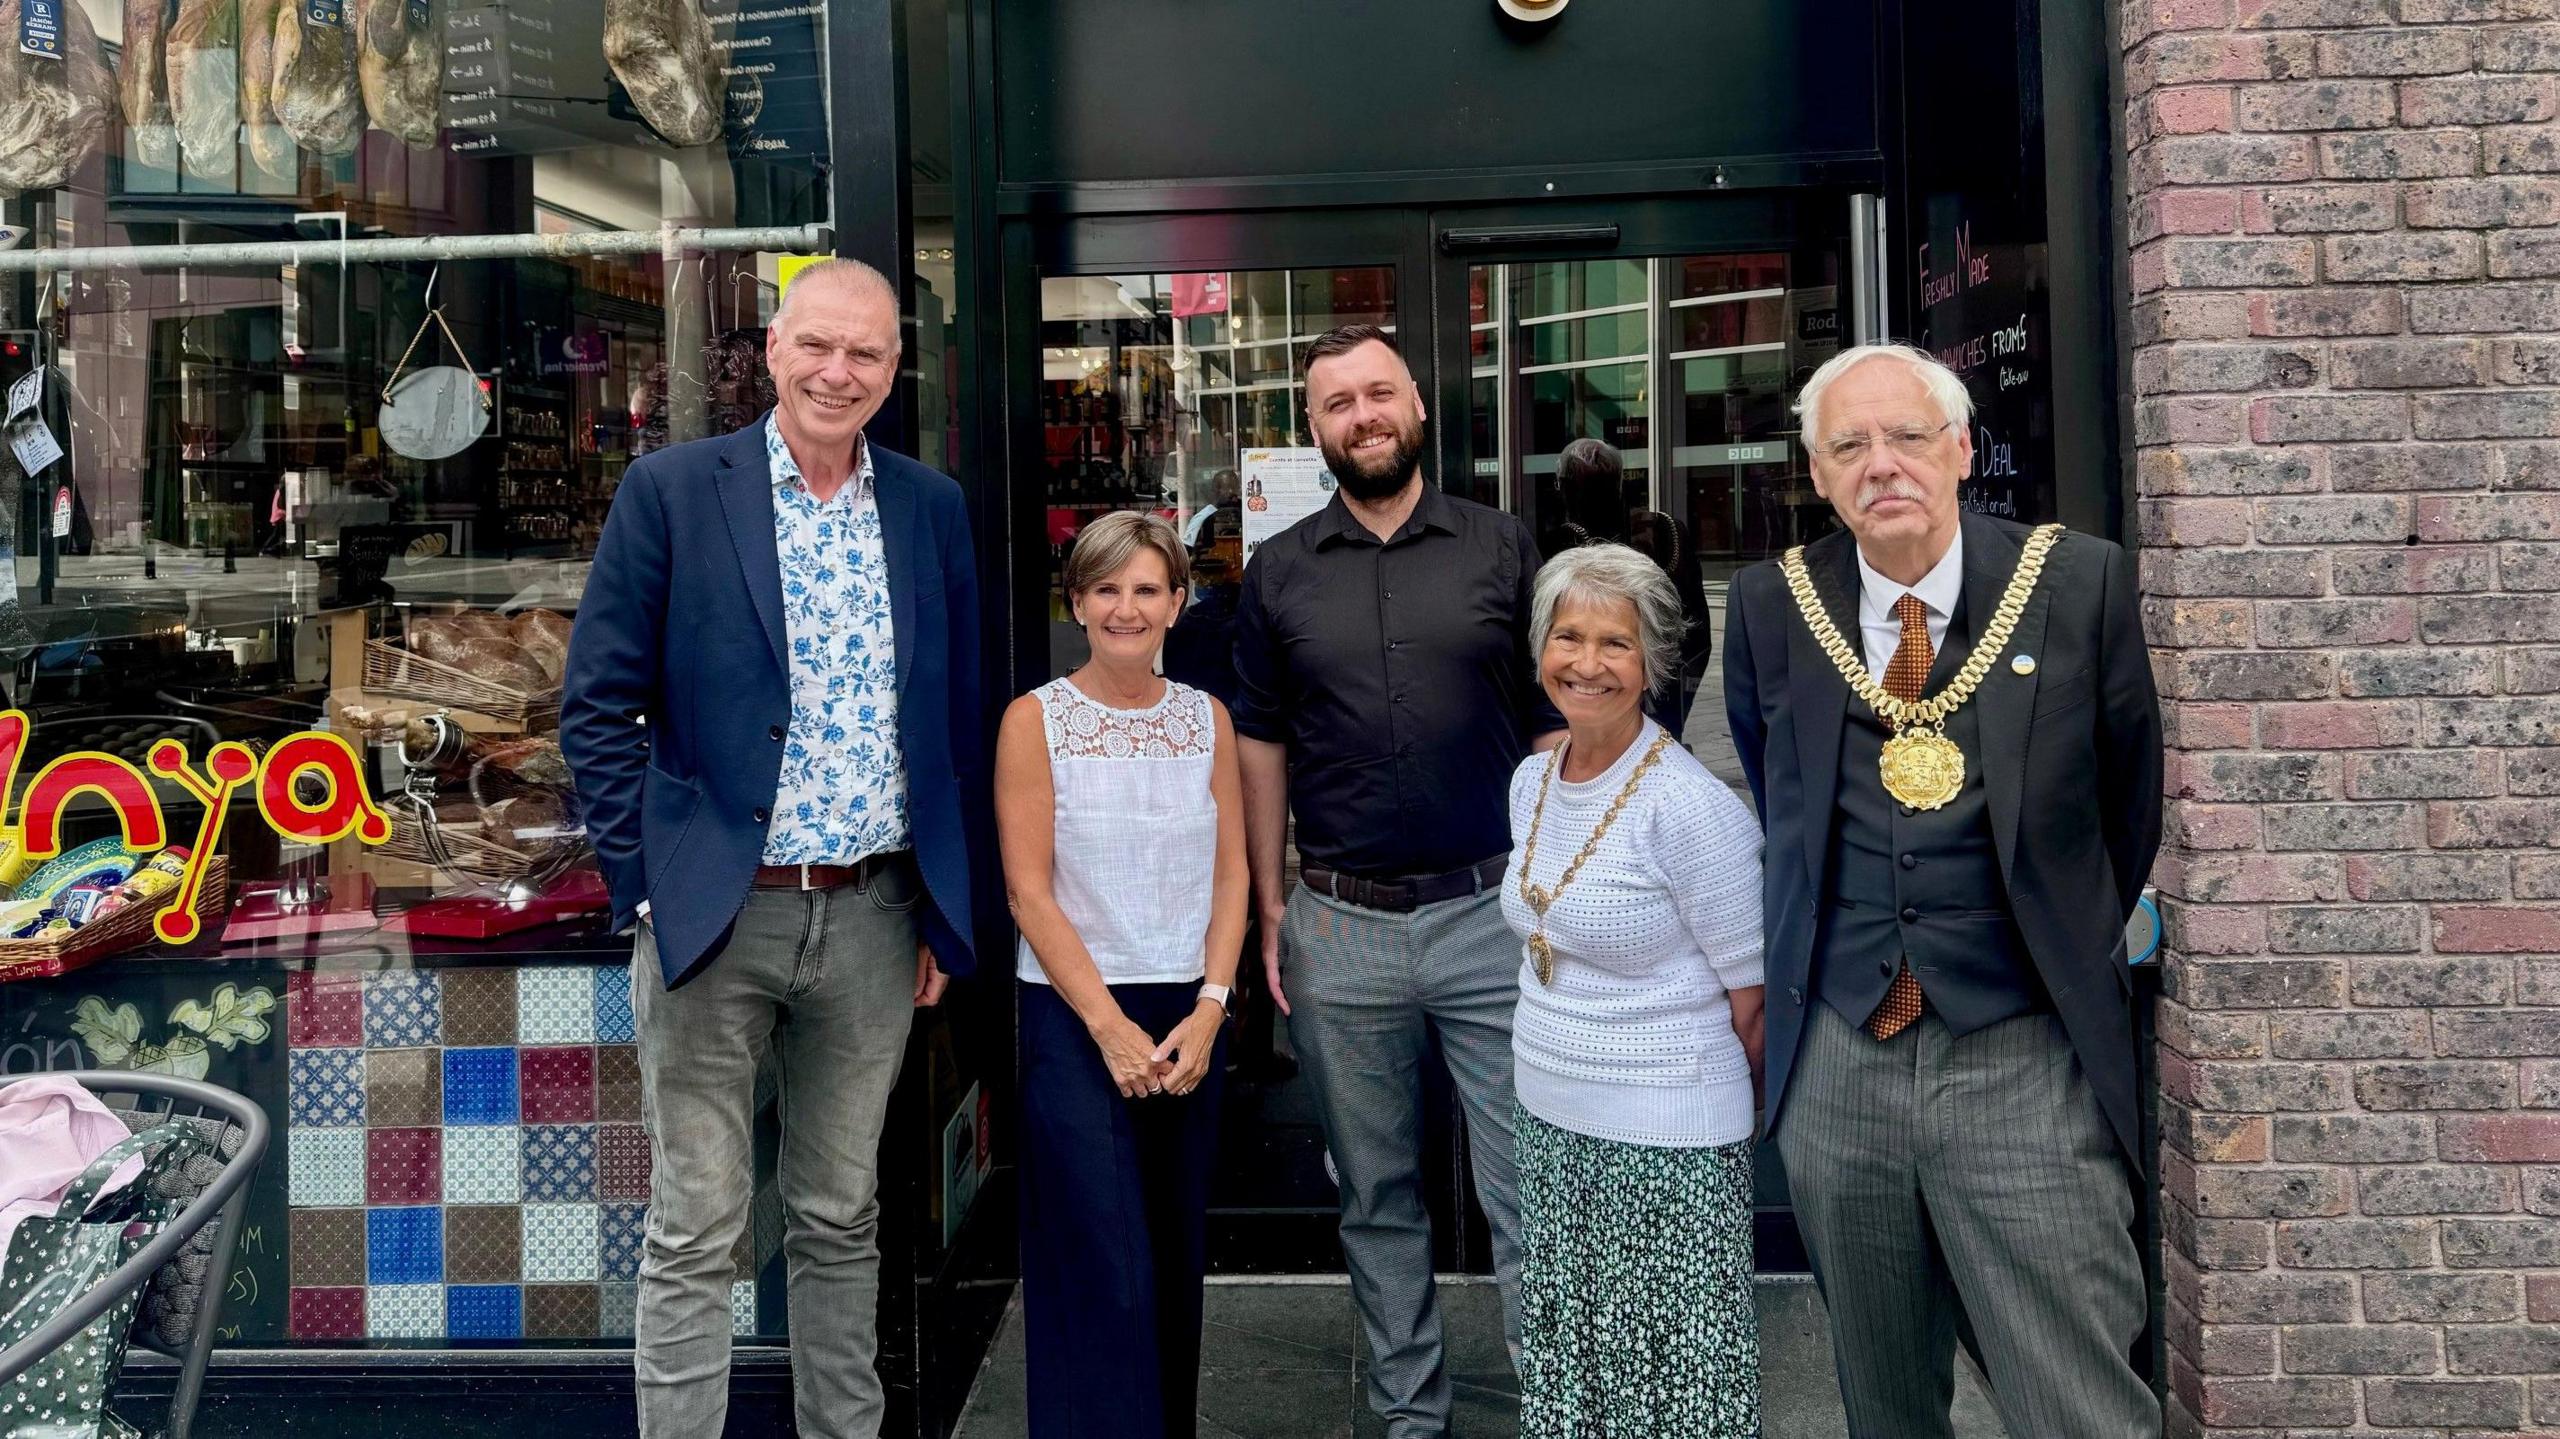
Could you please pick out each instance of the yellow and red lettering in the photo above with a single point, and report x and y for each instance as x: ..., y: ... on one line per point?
x: 347, y: 809
x: 230, y: 766
x: 127, y: 792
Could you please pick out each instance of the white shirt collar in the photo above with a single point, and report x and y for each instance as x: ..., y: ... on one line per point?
x: 1939, y: 589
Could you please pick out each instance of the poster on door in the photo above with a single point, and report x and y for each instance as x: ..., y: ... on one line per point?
x: 1281, y: 487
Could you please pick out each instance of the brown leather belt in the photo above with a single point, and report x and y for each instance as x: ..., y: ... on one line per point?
x: 1406, y: 895
x: 828, y: 876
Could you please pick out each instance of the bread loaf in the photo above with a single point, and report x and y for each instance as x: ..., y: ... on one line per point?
x: 485, y: 624
x: 545, y: 635
x: 500, y: 661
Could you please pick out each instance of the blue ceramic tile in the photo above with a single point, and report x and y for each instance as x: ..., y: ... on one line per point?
x: 559, y: 1162
x: 403, y: 1009
x: 614, y: 1021
x: 484, y: 1311
x: 480, y: 1086
x: 626, y: 1227
x: 404, y: 1246
x: 327, y: 1088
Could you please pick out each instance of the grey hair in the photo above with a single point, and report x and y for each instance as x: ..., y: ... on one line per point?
x: 840, y: 270
x: 1105, y: 547
x: 1599, y: 574
x: 1955, y: 402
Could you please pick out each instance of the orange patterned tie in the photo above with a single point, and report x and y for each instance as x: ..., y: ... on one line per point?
x: 1904, y: 678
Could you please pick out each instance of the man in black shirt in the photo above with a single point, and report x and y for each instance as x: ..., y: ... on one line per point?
x: 1385, y: 695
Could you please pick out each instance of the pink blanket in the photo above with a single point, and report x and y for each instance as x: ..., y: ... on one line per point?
x: 50, y: 1128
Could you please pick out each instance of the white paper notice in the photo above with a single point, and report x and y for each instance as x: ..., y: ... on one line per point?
x: 26, y: 392
x: 1282, y: 487
x: 62, y: 513
x: 34, y: 446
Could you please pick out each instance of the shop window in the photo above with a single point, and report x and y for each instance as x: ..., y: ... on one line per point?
x: 242, y: 537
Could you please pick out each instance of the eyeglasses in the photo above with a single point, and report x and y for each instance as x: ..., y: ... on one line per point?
x: 1908, y: 441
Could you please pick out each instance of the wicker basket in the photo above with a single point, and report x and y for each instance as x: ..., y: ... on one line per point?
x: 468, y: 853
x: 389, y: 669
x: 127, y: 928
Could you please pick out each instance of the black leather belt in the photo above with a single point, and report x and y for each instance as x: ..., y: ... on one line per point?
x: 827, y: 876
x: 1406, y: 895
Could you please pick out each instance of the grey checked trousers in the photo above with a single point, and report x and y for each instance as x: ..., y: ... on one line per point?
x: 825, y: 983
x: 1370, y: 988
x: 1934, y: 1176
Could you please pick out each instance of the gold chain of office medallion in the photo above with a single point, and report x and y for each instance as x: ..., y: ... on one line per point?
x: 1922, y: 767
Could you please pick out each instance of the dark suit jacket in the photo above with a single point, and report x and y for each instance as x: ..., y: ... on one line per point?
x: 682, y: 623
x: 2071, y: 767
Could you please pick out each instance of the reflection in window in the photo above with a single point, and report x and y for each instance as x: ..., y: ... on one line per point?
x: 1154, y: 390
x: 242, y: 537
x: 1683, y: 364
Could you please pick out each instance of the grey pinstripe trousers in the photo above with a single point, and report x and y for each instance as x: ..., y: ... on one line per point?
x: 1369, y: 987
x: 1941, y: 1180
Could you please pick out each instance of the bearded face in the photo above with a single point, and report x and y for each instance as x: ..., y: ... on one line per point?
x: 1368, y: 420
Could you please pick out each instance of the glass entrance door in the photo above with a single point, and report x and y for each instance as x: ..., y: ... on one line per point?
x: 1154, y: 363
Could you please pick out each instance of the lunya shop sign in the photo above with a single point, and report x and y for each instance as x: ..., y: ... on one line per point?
x: 309, y: 788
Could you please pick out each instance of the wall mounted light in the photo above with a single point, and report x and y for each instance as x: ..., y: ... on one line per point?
x: 1532, y: 11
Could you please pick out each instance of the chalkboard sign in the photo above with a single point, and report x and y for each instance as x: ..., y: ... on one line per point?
x: 1984, y: 315
x: 1974, y: 268
x: 221, y: 1022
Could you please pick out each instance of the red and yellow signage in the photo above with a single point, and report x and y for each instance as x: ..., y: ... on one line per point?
x: 344, y: 809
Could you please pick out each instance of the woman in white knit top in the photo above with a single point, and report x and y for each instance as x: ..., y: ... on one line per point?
x: 1635, y: 889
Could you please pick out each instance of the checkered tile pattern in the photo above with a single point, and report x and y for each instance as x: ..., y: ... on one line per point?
x: 465, y: 1158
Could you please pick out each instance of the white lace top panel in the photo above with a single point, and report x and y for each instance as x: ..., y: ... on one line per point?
x: 1136, y: 838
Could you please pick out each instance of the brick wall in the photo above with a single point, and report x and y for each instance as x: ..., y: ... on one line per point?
x: 2346, y: 327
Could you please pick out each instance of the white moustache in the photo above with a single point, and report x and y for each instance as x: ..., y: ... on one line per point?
x: 1877, y: 494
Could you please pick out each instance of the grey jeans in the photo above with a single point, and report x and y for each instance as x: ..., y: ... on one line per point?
x: 824, y: 982
x: 1369, y: 988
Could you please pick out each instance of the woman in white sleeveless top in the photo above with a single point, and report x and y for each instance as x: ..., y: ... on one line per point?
x: 1119, y: 805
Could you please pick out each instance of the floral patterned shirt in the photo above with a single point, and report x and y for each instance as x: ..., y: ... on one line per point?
x: 843, y: 794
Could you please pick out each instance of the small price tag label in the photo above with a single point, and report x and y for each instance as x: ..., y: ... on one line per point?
x: 26, y: 393
x: 40, y: 28
x: 36, y: 448
x: 325, y: 12
x: 61, y: 513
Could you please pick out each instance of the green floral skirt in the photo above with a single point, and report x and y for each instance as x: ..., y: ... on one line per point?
x: 1636, y: 1311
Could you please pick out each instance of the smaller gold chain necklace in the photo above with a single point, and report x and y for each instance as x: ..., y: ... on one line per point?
x: 1538, y: 896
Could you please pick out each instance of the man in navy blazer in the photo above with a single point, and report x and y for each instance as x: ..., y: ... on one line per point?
x: 771, y: 707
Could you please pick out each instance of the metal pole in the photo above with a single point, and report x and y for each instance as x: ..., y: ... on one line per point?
x: 803, y: 239
x: 1870, y: 288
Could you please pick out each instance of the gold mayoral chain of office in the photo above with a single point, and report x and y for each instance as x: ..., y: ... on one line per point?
x: 1540, y: 896
x: 1922, y: 767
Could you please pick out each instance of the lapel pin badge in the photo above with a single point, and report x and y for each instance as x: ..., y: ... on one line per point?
x: 2024, y: 664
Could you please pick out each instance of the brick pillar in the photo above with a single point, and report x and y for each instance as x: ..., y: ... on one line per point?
x: 2346, y: 279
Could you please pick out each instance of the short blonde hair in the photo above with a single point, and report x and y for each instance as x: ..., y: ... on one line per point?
x: 1105, y: 547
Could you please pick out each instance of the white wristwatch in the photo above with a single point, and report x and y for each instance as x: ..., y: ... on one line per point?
x: 1223, y: 994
